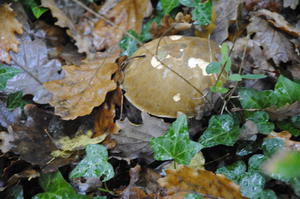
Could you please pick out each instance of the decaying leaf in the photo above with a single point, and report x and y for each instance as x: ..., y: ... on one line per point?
x: 83, y: 87
x: 105, y: 118
x: 284, y: 112
x: 67, y: 145
x: 7, y: 117
x: 10, y: 26
x: 94, y: 35
x: 133, y: 140
x: 32, y: 60
x: 290, y: 3
x: 279, y: 22
x: 276, y: 45
x: 226, y: 13
x: 285, y: 137
x: 185, y: 179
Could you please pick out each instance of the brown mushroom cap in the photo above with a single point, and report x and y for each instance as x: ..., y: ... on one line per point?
x: 154, y: 88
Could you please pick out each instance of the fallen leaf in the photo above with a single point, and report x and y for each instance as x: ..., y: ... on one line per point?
x: 276, y: 45
x: 290, y: 3
x: 8, y: 40
x: 185, y: 179
x: 279, y: 21
x: 32, y: 60
x: 132, y: 140
x: 5, y: 139
x: 284, y: 112
x: 105, y: 118
x: 226, y: 13
x: 8, y: 117
x: 83, y: 87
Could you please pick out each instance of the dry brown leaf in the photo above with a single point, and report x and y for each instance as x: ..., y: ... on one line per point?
x: 226, y: 13
x: 285, y: 136
x: 10, y: 26
x: 133, y: 140
x: 83, y: 87
x: 207, y: 183
x: 275, y: 44
x: 105, y: 118
x: 284, y: 112
x: 279, y: 21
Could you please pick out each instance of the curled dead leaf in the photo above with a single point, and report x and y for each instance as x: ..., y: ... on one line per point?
x: 83, y: 87
x: 10, y: 26
x: 185, y: 179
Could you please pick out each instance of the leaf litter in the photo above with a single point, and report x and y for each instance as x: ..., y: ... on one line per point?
x: 78, y: 102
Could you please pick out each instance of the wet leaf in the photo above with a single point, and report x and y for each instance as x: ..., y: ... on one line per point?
x: 83, y: 87
x: 175, y: 144
x: 251, y: 184
x: 221, y: 130
x: 251, y: 98
x: 234, y: 171
x: 270, y: 146
x: 8, y: 40
x: 32, y: 60
x: 56, y: 187
x: 94, y: 164
x: 5, y: 74
x: 255, y: 162
x: 285, y: 137
x: 185, y: 179
x: 133, y: 140
x: 265, y: 194
x: 8, y: 117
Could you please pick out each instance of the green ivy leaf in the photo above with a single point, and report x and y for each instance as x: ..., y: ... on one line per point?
x: 254, y: 76
x: 56, y: 187
x: 5, y: 74
x: 225, y: 57
x: 169, y: 5
x: 128, y: 44
x: 253, y: 99
x: 14, y: 100
x: 94, y: 164
x: 255, y: 162
x: 222, y: 129
x: 271, y: 145
x: 261, y: 119
x: 289, y: 126
x: 175, y: 144
x: 252, y: 184
x: 189, y: 3
x: 234, y: 171
x: 202, y: 13
x: 37, y: 11
x: 193, y: 196
x: 213, y: 67
x: 265, y: 194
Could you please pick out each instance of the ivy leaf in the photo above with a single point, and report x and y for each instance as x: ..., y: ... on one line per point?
x: 128, y: 44
x: 169, y: 5
x: 290, y: 125
x: 37, y: 11
x: 189, y: 3
x: 218, y: 88
x: 56, y: 187
x: 254, y: 76
x: 222, y: 129
x: 253, y: 99
x: 225, y: 57
x: 271, y: 145
x: 235, y: 77
x: 265, y: 194
x: 261, y: 119
x: 175, y: 144
x: 14, y: 100
x: 286, y: 91
x: 5, y: 74
x: 233, y: 171
x: 252, y: 184
x: 255, y: 162
x: 202, y: 13
x: 94, y: 164
x: 193, y: 196
x: 213, y: 67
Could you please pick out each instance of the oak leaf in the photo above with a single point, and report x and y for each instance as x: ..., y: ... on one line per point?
x: 10, y: 26
x: 185, y: 179
x: 83, y: 87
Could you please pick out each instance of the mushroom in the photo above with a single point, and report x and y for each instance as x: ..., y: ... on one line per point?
x: 169, y: 75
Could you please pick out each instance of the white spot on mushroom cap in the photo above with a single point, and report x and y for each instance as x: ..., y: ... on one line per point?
x: 155, y: 63
x: 175, y: 37
x: 177, y: 97
x: 193, y: 62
